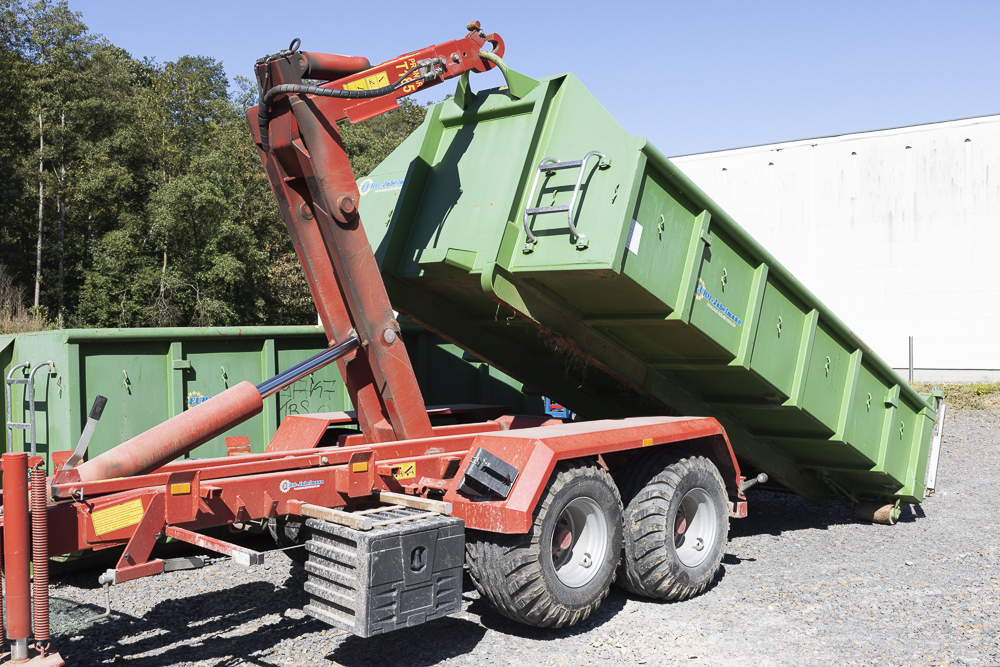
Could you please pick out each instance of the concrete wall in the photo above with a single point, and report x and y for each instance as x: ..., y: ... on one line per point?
x: 897, y: 231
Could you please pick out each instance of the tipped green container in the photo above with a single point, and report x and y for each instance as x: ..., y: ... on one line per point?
x: 638, y: 295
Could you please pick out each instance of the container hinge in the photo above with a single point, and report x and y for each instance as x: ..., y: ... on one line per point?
x: 549, y: 166
x: 488, y: 475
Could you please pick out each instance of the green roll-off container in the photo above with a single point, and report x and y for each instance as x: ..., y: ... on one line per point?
x: 150, y: 375
x: 638, y: 295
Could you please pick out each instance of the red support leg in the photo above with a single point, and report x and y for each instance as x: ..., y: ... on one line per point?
x: 16, y: 553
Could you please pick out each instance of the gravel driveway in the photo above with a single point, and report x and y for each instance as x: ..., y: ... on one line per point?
x: 800, y: 585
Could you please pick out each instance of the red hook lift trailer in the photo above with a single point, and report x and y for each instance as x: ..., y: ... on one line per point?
x: 544, y: 513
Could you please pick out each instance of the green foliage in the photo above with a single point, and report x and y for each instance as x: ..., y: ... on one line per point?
x: 156, y: 210
x: 369, y: 143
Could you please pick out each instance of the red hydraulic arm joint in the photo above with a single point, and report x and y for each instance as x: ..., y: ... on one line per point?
x: 295, y: 127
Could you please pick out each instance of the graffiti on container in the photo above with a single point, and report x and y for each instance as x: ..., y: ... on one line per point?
x: 308, y: 395
x: 196, y: 397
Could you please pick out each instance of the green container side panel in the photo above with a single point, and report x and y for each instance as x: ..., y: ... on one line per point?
x: 666, y: 307
x: 150, y: 375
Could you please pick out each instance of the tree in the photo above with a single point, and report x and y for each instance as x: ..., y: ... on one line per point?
x: 165, y: 216
x: 59, y: 47
x: 15, y: 142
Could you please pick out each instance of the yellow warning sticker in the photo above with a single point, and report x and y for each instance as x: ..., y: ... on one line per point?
x: 117, y: 517
x: 647, y: 442
x: 406, y: 470
x: 377, y: 80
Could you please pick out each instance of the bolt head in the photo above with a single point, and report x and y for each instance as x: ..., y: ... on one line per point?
x: 389, y: 336
x: 346, y: 205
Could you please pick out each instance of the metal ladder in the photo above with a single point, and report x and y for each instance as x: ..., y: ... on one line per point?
x: 548, y: 166
x: 30, y: 381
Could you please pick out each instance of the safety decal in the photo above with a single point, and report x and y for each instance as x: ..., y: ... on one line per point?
x: 634, y: 237
x: 371, y: 82
x: 406, y: 470
x: 115, y: 518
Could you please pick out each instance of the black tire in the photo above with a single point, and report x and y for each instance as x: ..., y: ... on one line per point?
x: 518, y: 574
x: 289, y: 531
x: 660, y: 492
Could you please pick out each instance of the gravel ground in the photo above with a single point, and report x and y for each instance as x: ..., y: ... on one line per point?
x: 800, y: 585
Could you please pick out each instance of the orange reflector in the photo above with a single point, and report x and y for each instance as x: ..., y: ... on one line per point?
x: 180, y: 489
x: 360, y: 467
x: 646, y: 442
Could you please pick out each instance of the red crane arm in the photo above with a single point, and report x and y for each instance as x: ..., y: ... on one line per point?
x: 295, y: 127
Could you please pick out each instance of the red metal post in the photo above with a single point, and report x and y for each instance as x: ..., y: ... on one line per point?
x: 3, y: 630
x: 16, y: 552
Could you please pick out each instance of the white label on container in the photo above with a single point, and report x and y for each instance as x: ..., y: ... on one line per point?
x: 634, y: 236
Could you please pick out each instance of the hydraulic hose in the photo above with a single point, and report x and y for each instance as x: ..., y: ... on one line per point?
x: 264, y: 106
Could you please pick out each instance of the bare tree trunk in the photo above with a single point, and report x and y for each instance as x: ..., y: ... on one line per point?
x: 163, y: 272
x: 41, y: 207
x: 62, y: 214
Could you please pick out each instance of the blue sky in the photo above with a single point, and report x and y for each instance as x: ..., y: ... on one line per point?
x: 691, y: 77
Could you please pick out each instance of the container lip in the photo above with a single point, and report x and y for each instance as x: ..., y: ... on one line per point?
x: 187, y: 333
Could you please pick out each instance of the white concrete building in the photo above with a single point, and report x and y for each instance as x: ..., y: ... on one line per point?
x: 897, y: 231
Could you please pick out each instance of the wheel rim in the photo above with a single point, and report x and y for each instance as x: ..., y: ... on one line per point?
x: 695, y: 527
x: 579, y: 542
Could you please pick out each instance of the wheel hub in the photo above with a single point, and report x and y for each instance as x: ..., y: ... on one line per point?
x: 579, y: 539
x: 695, y: 527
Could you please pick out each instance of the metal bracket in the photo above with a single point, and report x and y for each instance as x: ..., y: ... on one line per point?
x: 30, y: 381
x: 88, y: 431
x: 548, y: 166
x: 930, y: 480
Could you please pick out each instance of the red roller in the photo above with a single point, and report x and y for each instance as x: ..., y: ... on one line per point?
x: 329, y: 66
x: 175, y: 437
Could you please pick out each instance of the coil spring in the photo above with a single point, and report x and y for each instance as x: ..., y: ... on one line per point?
x: 40, y: 555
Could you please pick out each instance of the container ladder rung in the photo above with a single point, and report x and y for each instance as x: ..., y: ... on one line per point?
x: 548, y: 209
x: 556, y: 166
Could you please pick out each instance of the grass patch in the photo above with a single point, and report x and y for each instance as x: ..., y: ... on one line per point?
x: 14, y: 316
x: 975, y: 396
